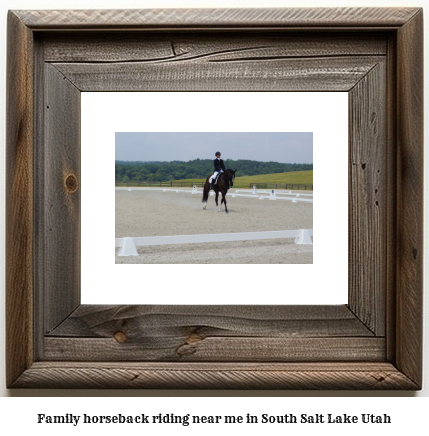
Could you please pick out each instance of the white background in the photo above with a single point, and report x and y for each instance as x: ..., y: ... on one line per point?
x: 20, y: 412
x: 324, y: 114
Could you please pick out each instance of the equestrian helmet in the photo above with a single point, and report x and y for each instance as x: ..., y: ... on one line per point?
x: 218, y: 152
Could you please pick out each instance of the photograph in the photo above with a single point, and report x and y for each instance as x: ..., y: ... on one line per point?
x: 170, y: 186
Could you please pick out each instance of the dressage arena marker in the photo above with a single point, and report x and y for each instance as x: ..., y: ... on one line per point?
x: 128, y: 246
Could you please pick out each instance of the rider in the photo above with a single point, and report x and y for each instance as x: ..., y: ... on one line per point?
x: 219, y: 167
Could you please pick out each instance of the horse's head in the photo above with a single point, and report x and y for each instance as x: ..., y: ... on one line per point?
x: 231, y: 177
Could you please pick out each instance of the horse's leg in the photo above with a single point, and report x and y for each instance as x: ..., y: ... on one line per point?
x: 223, y: 201
x: 216, y: 198
x: 206, y: 193
x: 204, y: 199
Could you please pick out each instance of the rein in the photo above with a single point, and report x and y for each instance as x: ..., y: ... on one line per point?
x: 227, y: 179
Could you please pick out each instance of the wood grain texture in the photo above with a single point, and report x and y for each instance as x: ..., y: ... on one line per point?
x: 217, y: 348
x: 19, y: 200
x: 213, y: 333
x: 99, y: 321
x: 61, y: 197
x: 171, y: 46
x: 40, y: 261
x: 215, y: 376
x: 325, y: 74
x: 368, y: 202
x: 289, y: 18
x: 391, y: 193
x: 410, y: 199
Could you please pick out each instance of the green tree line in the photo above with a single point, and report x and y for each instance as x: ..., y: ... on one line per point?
x: 197, y: 169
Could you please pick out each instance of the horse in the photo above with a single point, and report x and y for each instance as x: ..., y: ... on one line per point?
x: 224, y: 182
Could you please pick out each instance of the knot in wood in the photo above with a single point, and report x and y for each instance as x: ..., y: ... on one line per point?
x: 71, y: 183
x: 193, y: 338
x: 120, y: 337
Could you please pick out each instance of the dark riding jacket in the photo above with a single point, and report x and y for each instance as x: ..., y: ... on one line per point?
x: 219, y: 165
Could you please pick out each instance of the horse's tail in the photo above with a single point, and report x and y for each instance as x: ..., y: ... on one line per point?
x: 206, y: 192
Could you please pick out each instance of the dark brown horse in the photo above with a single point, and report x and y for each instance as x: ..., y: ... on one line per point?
x: 224, y: 182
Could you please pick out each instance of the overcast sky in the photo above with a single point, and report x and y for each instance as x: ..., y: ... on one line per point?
x: 296, y: 147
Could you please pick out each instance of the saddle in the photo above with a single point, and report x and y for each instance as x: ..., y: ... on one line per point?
x: 214, y: 181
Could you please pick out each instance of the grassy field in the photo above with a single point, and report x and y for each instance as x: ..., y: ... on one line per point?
x: 295, y: 177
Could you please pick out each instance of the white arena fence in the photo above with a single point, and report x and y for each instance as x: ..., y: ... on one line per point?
x: 128, y: 246
x: 273, y: 194
x: 254, y: 191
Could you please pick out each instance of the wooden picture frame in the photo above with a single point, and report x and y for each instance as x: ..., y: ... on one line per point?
x: 373, y: 342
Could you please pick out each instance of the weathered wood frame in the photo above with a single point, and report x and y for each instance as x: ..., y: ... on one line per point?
x: 374, y: 342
